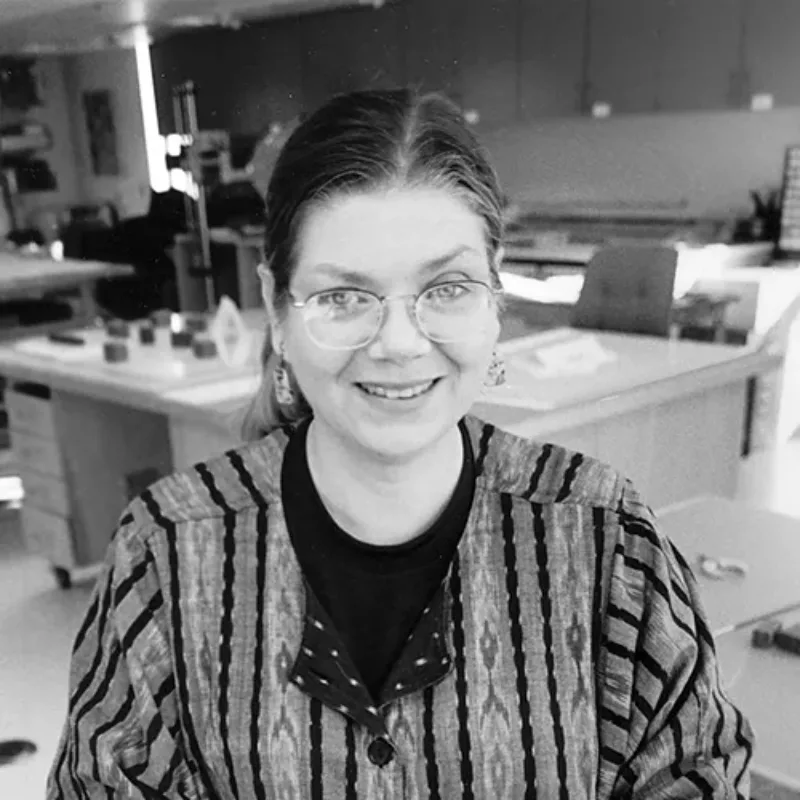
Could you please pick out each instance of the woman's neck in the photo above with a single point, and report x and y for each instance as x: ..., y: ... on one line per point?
x: 378, y: 501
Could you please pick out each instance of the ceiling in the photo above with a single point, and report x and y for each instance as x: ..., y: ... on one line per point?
x: 63, y: 26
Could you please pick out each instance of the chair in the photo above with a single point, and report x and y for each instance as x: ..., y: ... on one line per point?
x: 628, y: 288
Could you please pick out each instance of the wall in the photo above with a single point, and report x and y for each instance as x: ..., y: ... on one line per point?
x: 704, y: 163
x: 698, y: 163
x: 62, y: 81
x: 54, y: 112
x: 114, y: 70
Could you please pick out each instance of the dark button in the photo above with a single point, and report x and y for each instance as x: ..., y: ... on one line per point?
x: 380, y: 752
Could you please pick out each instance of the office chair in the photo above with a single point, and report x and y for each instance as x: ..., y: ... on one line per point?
x: 628, y: 288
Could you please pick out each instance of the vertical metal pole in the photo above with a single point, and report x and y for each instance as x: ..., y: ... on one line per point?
x: 185, y: 112
x: 6, y: 191
x: 180, y: 129
x: 193, y: 129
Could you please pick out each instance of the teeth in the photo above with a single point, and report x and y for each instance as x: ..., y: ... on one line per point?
x: 396, y: 394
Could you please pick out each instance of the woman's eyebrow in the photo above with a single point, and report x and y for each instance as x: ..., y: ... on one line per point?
x: 349, y: 276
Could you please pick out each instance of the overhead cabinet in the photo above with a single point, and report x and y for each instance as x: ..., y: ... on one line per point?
x: 771, y: 48
x: 551, y: 57
x: 508, y: 60
x: 347, y: 50
x: 432, y: 45
x: 699, y: 59
x: 489, y: 59
x: 623, y: 54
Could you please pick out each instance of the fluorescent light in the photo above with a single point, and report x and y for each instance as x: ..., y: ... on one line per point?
x: 154, y: 143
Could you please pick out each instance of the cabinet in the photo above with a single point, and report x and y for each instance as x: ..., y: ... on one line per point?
x: 76, y: 485
x: 772, y: 50
x: 431, y: 46
x: 623, y: 54
x: 489, y: 34
x: 699, y: 66
x: 551, y: 57
x: 350, y: 49
x: 46, y: 522
x: 267, y: 64
x: 244, y: 79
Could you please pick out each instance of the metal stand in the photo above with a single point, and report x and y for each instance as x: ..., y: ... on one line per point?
x: 184, y: 107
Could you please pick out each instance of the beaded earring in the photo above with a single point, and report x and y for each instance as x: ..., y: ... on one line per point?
x: 284, y: 393
x: 496, y: 374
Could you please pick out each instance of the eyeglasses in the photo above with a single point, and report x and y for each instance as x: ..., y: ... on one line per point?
x: 347, y: 319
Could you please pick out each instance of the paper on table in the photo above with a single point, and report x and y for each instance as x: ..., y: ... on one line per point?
x: 516, y: 394
x: 581, y: 355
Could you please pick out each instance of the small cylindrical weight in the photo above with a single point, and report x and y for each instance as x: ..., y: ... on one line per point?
x: 763, y: 635
x: 147, y: 333
x: 204, y: 348
x: 118, y: 328
x: 195, y: 324
x: 788, y: 639
x: 115, y: 352
x: 181, y: 338
x: 161, y: 318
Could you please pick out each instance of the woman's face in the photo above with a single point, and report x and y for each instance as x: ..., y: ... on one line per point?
x: 397, y: 242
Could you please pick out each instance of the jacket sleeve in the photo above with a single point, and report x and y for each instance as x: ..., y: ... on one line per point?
x: 667, y: 727
x: 122, y: 737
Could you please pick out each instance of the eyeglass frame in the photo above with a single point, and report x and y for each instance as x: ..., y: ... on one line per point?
x: 382, y: 299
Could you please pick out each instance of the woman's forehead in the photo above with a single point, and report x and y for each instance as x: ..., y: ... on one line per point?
x: 402, y: 229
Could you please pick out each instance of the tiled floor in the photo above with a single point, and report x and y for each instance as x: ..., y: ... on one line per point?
x: 38, y: 623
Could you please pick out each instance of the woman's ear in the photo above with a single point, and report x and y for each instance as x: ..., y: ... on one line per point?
x: 268, y: 295
x: 498, y: 259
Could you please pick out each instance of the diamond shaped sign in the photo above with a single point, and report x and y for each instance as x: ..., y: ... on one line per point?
x: 230, y: 333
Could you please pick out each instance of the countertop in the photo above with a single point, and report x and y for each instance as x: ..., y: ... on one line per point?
x: 23, y: 274
x: 639, y: 370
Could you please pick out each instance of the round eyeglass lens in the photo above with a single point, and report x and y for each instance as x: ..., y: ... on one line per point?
x: 454, y: 312
x: 343, y: 319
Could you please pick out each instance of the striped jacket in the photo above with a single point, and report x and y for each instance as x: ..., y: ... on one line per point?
x: 576, y: 661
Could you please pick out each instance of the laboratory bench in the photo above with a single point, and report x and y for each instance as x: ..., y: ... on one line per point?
x: 88, y: 434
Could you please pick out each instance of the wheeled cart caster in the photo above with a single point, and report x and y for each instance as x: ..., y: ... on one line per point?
x: 63, y: 577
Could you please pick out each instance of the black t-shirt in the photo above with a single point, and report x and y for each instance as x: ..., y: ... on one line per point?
x: 373, y: 594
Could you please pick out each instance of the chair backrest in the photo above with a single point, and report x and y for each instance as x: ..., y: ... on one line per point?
x: 628, y: 288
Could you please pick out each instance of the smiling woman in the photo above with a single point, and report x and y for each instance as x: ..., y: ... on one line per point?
x: 380, y: 595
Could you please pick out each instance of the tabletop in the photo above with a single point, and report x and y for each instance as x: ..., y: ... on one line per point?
x: 766, y: 542
x: 765, y: 685
x: 563, y: 367
x: 20, y: 274
x: 159, y: 376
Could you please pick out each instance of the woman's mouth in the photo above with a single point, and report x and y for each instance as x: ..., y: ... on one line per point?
x: 404, y: 392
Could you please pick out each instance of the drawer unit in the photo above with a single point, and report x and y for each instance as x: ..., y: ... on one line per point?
x: 27, y: 412
x: 37, y: 454
x: 45, y: 492
x: 48, y: 535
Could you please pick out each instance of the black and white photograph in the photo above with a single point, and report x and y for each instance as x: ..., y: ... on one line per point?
x: 400, y: 400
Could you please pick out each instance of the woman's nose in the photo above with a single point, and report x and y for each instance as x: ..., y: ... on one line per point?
x: 399, y: 334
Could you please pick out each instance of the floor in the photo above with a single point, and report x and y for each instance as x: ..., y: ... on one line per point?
x: 38, y: 622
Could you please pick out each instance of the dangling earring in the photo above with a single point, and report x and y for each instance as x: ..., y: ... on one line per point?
x: 284, y: 393
x: 496, y: 374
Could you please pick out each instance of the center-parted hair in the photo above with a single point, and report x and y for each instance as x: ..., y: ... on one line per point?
x: 357, y: 143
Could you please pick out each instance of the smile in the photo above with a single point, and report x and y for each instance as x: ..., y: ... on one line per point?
x: 407, y: 392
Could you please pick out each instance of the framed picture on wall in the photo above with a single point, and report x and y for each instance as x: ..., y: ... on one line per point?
x: 102, y: 133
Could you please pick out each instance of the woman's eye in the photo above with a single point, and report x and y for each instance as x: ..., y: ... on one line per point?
x: 339, y: 299
x: 447, y: 291
x: 343, y: 301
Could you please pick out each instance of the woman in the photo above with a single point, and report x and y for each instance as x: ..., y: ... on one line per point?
x: 381, y: 596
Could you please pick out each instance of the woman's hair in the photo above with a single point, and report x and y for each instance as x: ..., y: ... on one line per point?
x: 356, y: 143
